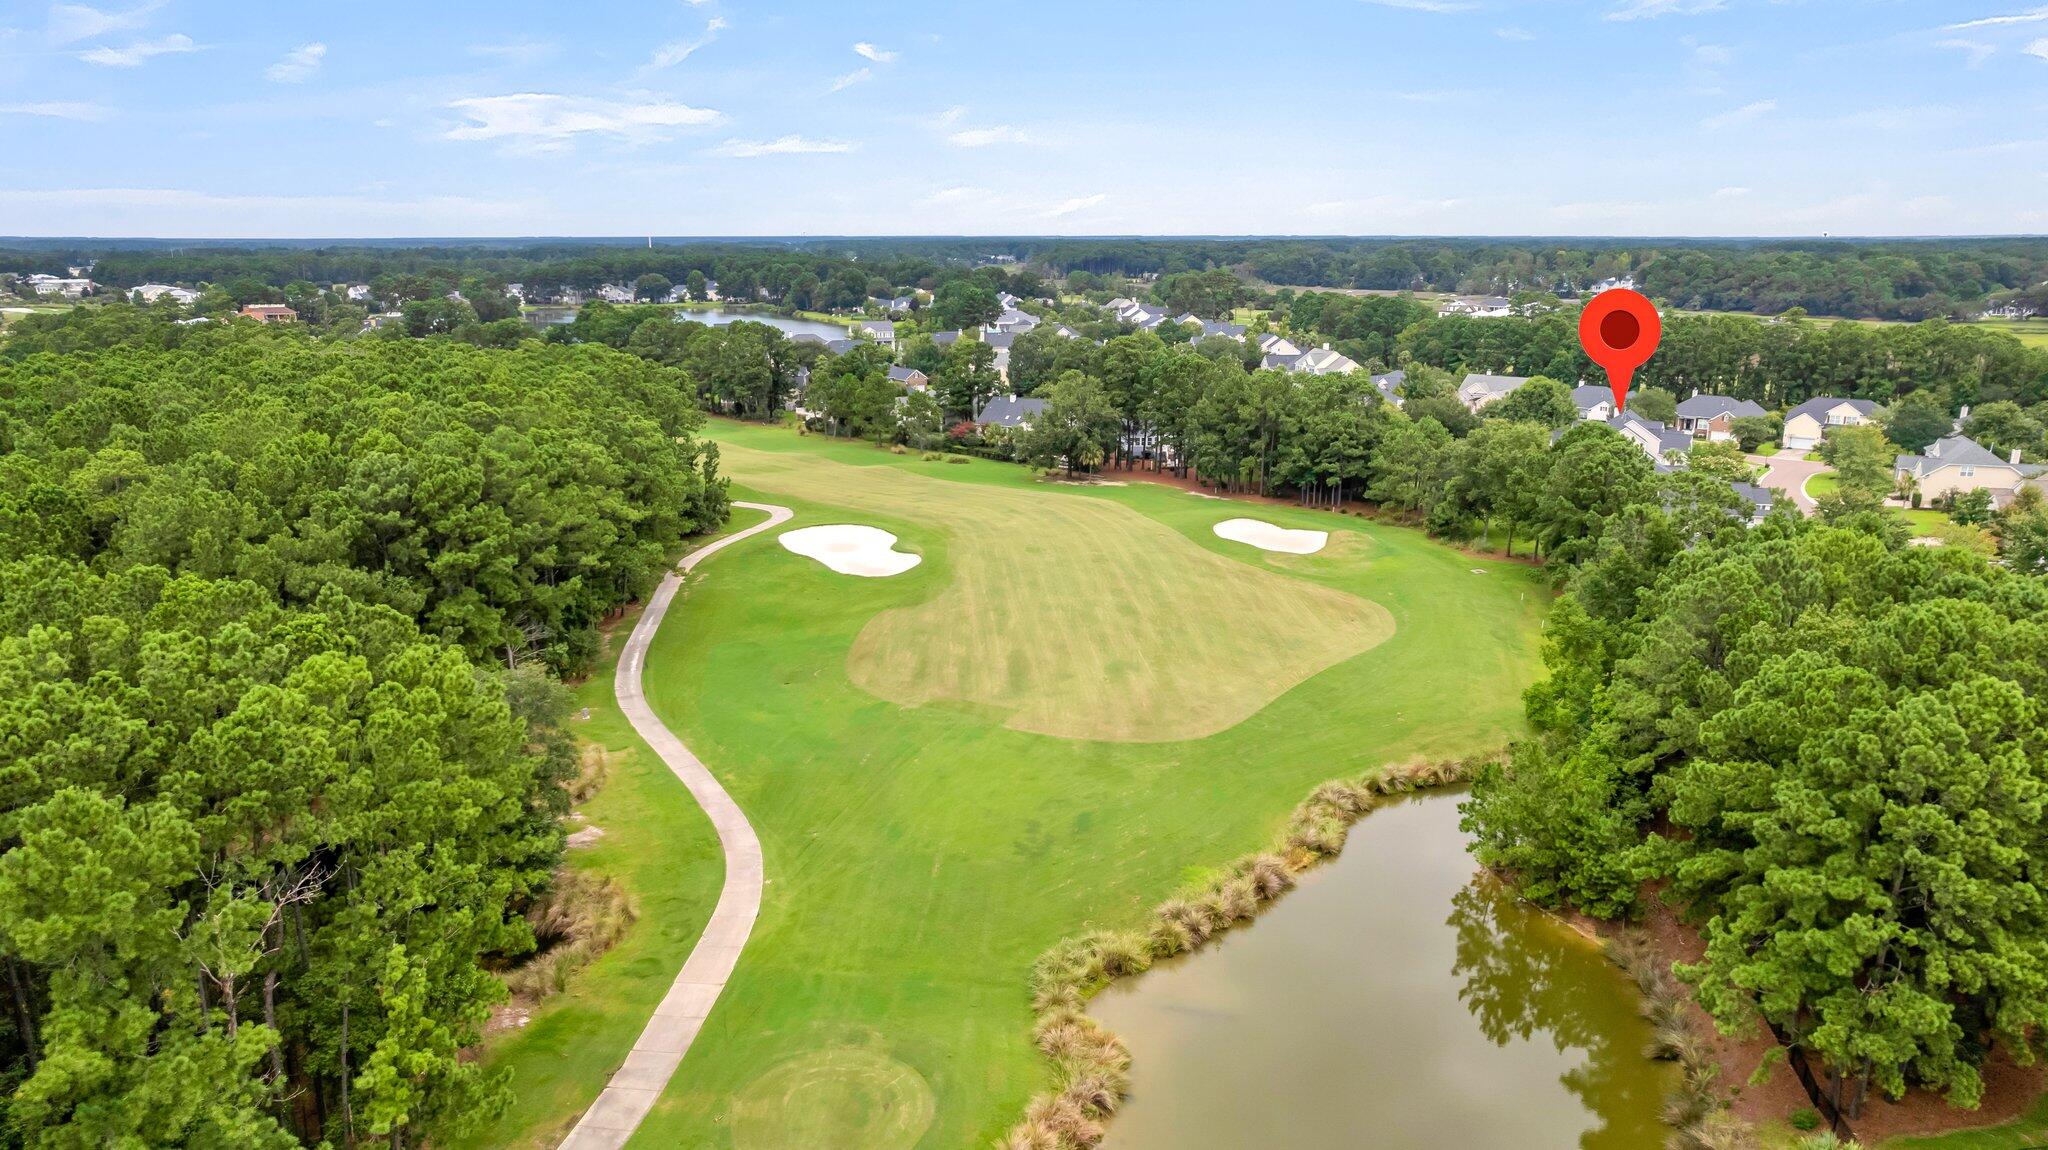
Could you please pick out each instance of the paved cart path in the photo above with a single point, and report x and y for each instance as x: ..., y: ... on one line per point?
x: 636, y: 1084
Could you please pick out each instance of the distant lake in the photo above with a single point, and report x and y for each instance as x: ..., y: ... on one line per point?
x: 713, y: 317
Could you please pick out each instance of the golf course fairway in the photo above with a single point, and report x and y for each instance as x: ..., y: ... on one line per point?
x: 1079, y: 700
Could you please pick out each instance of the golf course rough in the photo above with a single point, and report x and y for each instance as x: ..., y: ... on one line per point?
x: 920, y: 857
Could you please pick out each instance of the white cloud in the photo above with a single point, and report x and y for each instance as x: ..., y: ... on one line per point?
x: 1978, y: 50
x: 1741, y: 115
x: 677, y: 51
x: 857, y: 76
x: 135, y: 54
x: 983, y: 137
x: 1730, y: 193
x: 546, y: 118
x: 1651, y: 9
x: 950, y: 116
x: 184, y: 212
x: 2032, y: 17
x: 70, y: 23
x: 1077, y: 204
x: 298, y: 65
x: 515, y: 51
x: 781, y: 146
x: 878, y: 55
x: 2038, y: 48
x: 60, y: 110
x: 1440, y: 7
x: 1520, y: 35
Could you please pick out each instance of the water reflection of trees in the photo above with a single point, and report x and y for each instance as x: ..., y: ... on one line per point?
x: 1523, y: 982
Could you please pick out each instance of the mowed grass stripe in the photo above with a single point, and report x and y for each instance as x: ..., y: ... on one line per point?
x: 1079, y: 617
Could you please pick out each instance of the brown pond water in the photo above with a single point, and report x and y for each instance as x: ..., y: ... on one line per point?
x: 1397, y: 1000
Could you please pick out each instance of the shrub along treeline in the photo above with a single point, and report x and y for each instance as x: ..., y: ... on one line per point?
x: 1830, y: 750
x: 271, y: 805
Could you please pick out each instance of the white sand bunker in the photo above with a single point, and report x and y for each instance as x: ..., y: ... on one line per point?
x: 851, y: 549
x: 1266, y: 537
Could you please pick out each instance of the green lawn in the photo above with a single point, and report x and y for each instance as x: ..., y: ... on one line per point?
x: 1822, y: 485
x: 920, y: 858
x: 2027, y: 1132
x: 1921, y: 520
x: 2032, y: 332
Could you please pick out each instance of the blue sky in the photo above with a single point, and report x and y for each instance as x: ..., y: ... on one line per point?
x: 715, y: 117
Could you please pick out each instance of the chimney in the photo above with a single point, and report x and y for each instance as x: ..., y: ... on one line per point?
x: 2015, y: 456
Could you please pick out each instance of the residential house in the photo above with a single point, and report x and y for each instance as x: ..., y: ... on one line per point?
x: 1610, y: 284
x: 1389, y: 386
x: 1213, y: 328
x: 1957, y: 464
x: 809, y: 337
x: 1277, y: 345
x: 1484, y: 307
x: 270, y: 313
x: 613, y: 293
x: 1479, y: 390
x: 357, y: 293
x: 150, y: 293
x: 841, y: 346
x: 1759, y: 499
x: 1712, y: 417
x: 383, y: 319
x: 900, y: 303
x: 1012, y: 321
x: 1001, y: 341
x: 1009, y: 411
x: 882, y: 331
x: 945, y: 338
x: 1806, y: 424
x: 2013, y: 310
x: 1323, y: 361
x: 909, y: 377
x: 1595, y: 402
x: 1065, y: 332
x: 1659, y: 442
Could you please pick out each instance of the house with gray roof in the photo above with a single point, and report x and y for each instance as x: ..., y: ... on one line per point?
x: 1807, y: 424
x: 1711, y: 417
x: 945, y: 338
x: 1659, y: 442
x: 1389, y: 386
x: 1324, y: 361
x: 909, y: 377
x: 1010, y: 411
x: 1212, y: 328
x: 841, y: 346
x: 1760, y: 500
x: 1479, y: 390
x: 1958, y: 464
x: 882, y: 331
x: 1595, y: 401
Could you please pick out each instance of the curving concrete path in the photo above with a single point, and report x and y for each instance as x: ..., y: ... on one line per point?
x: 636, y: 1084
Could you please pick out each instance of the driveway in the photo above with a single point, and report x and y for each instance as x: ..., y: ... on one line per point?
x: 1788, y: 472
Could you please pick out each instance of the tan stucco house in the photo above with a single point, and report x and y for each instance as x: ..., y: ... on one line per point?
x: 1808, y: 423
x: 1957, y: 464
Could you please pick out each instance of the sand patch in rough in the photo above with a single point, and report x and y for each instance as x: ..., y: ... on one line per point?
x: 1268, y: 537
x: 851, y: 549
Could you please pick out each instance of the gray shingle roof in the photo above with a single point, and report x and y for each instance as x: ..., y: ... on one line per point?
x: 1960, y: 451
x: 1010, y: 411
x: 943, y: 338
x: 1820, y: 405
x: 1710, y: 406
x: 1588, y: 396
x: 999, y: 339
x: 1495, y: 385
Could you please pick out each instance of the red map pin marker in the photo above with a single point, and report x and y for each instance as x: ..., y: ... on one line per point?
x: 1620, y: 329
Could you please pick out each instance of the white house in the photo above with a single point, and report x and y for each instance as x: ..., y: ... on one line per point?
x: 1595, y: 401
x: 150, y: 293
x: 882, y: 331
x: 1484, y: 307
x: 1009, y: 411
x: 44, y: 284
x: 1662, y: 444
x: 1389, y: 386
x: 613, y: 293
x: 1806, y: 424
x: 1479, y: 390
x: 1323, y: 361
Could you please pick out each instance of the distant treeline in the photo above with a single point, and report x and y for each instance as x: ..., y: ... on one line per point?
x: 1877, y: 279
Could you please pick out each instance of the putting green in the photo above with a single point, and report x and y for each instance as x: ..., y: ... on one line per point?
x: 1075, y: 616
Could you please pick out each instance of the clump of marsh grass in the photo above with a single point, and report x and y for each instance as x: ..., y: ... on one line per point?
x: 1268, y: 875
x: 1694, y: 1108
x: 579, y: 918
